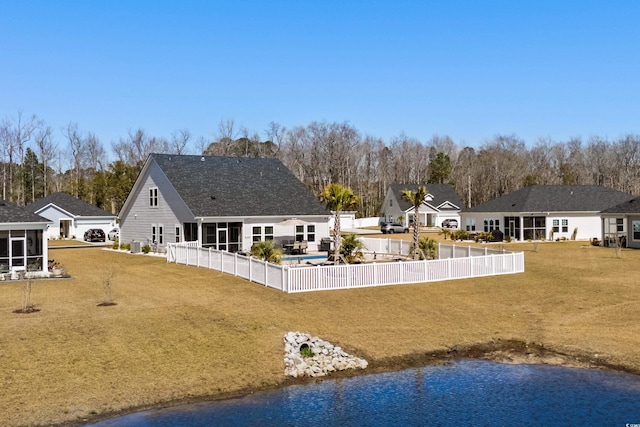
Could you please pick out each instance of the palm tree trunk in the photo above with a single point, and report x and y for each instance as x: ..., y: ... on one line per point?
x: 337, y: 240
x: 416, y: 232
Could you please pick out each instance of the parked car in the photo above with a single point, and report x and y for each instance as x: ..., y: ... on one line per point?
x: 94, y: 235
x: 114, y: 234
x: 450, y: 223
x: 393, y: 227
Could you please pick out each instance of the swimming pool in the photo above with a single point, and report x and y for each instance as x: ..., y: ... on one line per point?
x: 304, y: 257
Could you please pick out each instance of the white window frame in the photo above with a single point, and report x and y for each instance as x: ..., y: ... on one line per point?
x: 153, y: 197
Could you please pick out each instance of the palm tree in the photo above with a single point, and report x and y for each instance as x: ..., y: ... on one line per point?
x: 351, y: 248
x: 338, y: 198
x: 267, y: 251
x: 428, y: 248
x: 415, y: 197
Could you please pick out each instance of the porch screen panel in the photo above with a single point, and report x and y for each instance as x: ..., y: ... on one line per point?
x: 17, y: 252
x: 534, y: 228
x: 34, y: 250
x: 4, y: 251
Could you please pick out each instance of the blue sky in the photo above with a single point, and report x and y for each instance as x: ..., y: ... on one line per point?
x: 467, y: 69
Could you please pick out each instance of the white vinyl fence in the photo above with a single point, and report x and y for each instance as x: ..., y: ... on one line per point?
x: 456, y: 262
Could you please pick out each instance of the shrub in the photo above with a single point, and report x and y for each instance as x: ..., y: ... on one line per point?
x: 116, y: 244
x: 460, y: 235
x: 351, y: 248
x: 305, y: 351
x: 266, y: 250
x: 426, y: 248
x: 484, y: 236
x: 146, y: 249
x: 125, y: 246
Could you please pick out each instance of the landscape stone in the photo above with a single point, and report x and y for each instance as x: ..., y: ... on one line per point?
x: 327, y: 357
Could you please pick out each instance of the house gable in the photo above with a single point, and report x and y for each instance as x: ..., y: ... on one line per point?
x: 437, y: 195
x: 68, y: 204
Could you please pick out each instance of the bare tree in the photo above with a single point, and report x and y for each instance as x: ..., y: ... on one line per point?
x: 47, y: 151
x: 179, y: 141
x: 77, y: 150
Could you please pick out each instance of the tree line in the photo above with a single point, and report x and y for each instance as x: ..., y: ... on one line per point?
x: 37, y: 160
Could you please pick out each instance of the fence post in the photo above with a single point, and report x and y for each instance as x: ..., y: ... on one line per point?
x: 449, y: 276
x: 235, y: 263
x: 375, y: 273
x: 266, y: 272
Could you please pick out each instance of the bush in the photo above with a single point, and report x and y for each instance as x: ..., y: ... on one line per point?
x: 146, y: 249
x: 460, y: 235
x: 125, y: 246
x: 116, y: 244
x: 305, y: 351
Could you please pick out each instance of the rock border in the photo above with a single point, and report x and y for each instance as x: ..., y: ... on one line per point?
x: 327, y: 357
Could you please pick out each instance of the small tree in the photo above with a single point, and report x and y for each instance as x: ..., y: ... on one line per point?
x: 445, y: 232
x: 338, y: 198
x: 108, y: 274
x: 267, y: 251
x: 416, y: 198
x: 351, y: 248
x: 427, y: 248
x: 27, y: 305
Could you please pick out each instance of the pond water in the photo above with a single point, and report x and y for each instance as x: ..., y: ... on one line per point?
x: 466, y: 393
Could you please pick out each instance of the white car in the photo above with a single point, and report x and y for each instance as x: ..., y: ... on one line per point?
x: 114, y: 234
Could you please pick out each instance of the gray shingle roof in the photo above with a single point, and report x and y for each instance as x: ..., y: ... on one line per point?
x: 238, y: 186
x: 555, y: 198
x: 441, y: 193
x: 629, y: 207
x: 69, y: 203
x: 11, y: 213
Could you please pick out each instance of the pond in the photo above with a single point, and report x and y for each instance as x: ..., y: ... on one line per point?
x: 468, y: 392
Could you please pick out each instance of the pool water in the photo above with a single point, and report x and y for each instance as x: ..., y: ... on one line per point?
x: 304, y: 257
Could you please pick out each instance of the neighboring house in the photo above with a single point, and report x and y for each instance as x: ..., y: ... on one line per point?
x: 70, y: 216
x: 225, y: 203
x: 23, y: 244
x: 621, y: 224
x: 441, y: 203
x: 545, y: 212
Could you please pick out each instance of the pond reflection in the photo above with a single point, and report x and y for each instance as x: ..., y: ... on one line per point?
x: 469, y: 392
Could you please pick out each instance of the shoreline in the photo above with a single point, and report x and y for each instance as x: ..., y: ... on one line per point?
x: 499, y: 351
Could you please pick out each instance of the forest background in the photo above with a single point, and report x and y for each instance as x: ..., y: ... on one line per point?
x: 37, y: 160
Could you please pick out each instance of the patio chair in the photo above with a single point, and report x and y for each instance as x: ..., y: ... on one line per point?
x: 303, y: 247
x: 296, y: 248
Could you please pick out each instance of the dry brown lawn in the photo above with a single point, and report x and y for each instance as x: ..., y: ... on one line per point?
x: 181, y: 332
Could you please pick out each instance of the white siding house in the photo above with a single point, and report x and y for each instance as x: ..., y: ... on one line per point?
x: 226, y: 203
x: 71, y: 217
x: 23, y: 245
x: 440, y: 203
x: 545, y: 212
